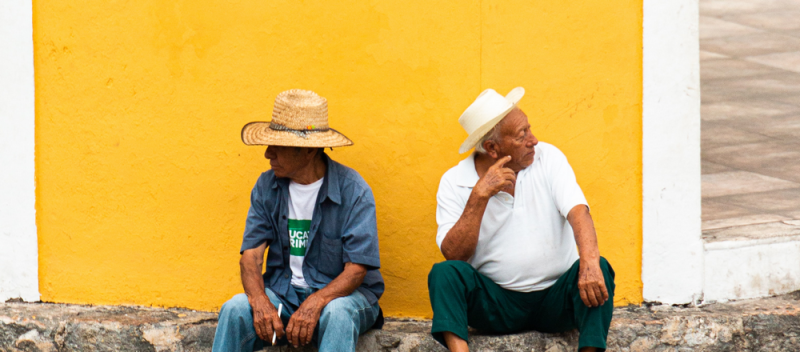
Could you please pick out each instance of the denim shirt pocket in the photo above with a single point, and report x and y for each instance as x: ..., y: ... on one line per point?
x: 330, y: 261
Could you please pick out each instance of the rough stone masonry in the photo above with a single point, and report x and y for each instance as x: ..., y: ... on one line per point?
x: 769, y: 324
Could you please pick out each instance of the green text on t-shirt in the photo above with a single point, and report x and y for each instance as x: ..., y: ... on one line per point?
x: 298, y: 236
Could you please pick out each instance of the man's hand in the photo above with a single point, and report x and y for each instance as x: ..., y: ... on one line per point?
x: 496, y: 179
x: 265, y: 318
x: 302, y: 323
x: 591, y: 283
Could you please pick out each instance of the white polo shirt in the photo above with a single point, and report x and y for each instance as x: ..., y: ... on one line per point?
x: 525, y: 242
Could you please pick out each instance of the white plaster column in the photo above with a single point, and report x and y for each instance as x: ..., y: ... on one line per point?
x: 19, y: 264
x: 672, y: 250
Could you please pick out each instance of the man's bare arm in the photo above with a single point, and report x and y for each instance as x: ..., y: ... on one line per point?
x: 301, y: 326
x: 591, y: 283
x: 265, y: 316
x: 461, y: 240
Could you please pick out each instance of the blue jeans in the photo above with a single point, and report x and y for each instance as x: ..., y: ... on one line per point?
x: 340, y: 322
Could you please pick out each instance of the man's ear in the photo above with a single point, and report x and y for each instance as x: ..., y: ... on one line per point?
x: 491, y: 148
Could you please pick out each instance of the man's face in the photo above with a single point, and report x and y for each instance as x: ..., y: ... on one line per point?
x: 517, y: 140
x: 287, y: 161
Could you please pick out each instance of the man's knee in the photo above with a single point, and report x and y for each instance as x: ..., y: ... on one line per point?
x: 606, y: 267
x: 447, y: 268
x: 608, y: 273
x: 236, y: 306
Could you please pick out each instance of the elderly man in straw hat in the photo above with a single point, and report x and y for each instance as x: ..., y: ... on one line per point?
x: 316, y: 219
x: 510, y: 216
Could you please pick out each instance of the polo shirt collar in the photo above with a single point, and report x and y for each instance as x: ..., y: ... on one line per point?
x: 466, y: 175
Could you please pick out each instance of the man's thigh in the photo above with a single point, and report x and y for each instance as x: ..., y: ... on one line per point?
x: 354, y: 307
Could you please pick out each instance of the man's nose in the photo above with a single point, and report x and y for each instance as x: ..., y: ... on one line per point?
x: 533, y: 142
x: 267, y: 154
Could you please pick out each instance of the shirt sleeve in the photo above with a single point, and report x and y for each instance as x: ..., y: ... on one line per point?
x: 563, y: 185
x: 258, y: 228
x: 360, y: 236
x: 449, y: 208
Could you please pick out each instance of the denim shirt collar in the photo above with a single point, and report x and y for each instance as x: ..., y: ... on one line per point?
x: 330, y: 185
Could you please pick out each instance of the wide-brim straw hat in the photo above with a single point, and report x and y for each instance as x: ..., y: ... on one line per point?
x: 299, y: 119
x: 485, y: 112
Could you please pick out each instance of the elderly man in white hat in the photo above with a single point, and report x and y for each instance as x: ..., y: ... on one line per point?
x: 510, y: 216
x: 316, y: 219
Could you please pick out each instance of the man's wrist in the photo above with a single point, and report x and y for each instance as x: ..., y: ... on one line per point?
x: 263, y: 298
x: 480, y: 195
x: 592, y: 259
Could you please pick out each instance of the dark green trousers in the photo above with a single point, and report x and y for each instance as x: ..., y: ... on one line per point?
x: 461, y: 297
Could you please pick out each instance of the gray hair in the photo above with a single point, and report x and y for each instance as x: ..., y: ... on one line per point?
x: 493, y: 135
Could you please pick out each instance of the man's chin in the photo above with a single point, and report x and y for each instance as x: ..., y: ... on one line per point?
x: 528, y: 160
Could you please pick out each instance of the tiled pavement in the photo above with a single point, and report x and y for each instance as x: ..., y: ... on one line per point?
x: 750, y: 79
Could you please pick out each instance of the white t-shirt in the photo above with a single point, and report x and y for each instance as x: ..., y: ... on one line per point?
x: 302, y: 200
x: 525, y: 242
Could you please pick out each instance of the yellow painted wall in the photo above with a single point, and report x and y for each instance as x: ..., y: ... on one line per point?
x: 143, y: 184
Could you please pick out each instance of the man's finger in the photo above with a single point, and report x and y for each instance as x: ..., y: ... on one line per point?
x: 591, y: 297
x: 511, y: 176
x: 502, y: 161
x: 259, y: 331
x: 289, y: 330
x: 584, y: 297
x: 295, y: 334
x: 277, y: 325
x: 604, y: 290
x: 599, y: 294
x: 267, y: 329
x: 305, y: 336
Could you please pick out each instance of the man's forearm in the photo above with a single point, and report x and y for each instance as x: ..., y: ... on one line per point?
x: 461, y: 240
x: 250, y: 267
x: 585, y: 235
x: 344, y: 284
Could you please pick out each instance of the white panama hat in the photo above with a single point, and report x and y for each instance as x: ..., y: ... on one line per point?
x: 485, y: 112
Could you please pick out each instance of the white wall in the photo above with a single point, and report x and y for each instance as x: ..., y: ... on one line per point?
x: 751, y: 268
x: 19, y: 269
x: 672, y: 250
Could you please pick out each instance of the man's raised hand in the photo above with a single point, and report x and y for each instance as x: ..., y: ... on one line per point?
x: 496, y: 179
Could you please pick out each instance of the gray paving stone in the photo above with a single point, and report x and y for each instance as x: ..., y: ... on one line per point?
x: 781, y: 83
x: 785, y: 128
x: 775, y: 229
x: 772, y: 202
x: 733, y: 68
x: 742, y: 221
x: 735, y: 7
x: 746, y: 109
x: 754, y: 156
x: 787, y: 61
x: 786, y: 19
x: 708, y: 167
x: 718, y: 134
x: 751, y: 45
x: 719, y: 209
x: 707, y: 55
x: 712, y: 27
x: 741, y: 182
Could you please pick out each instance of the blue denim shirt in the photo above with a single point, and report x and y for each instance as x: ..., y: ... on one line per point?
x: 343, y: 229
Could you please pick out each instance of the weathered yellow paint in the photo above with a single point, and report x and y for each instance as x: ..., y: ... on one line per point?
x: 143, y: 183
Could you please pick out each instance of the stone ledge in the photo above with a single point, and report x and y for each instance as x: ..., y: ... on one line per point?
x: 770, y: 324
